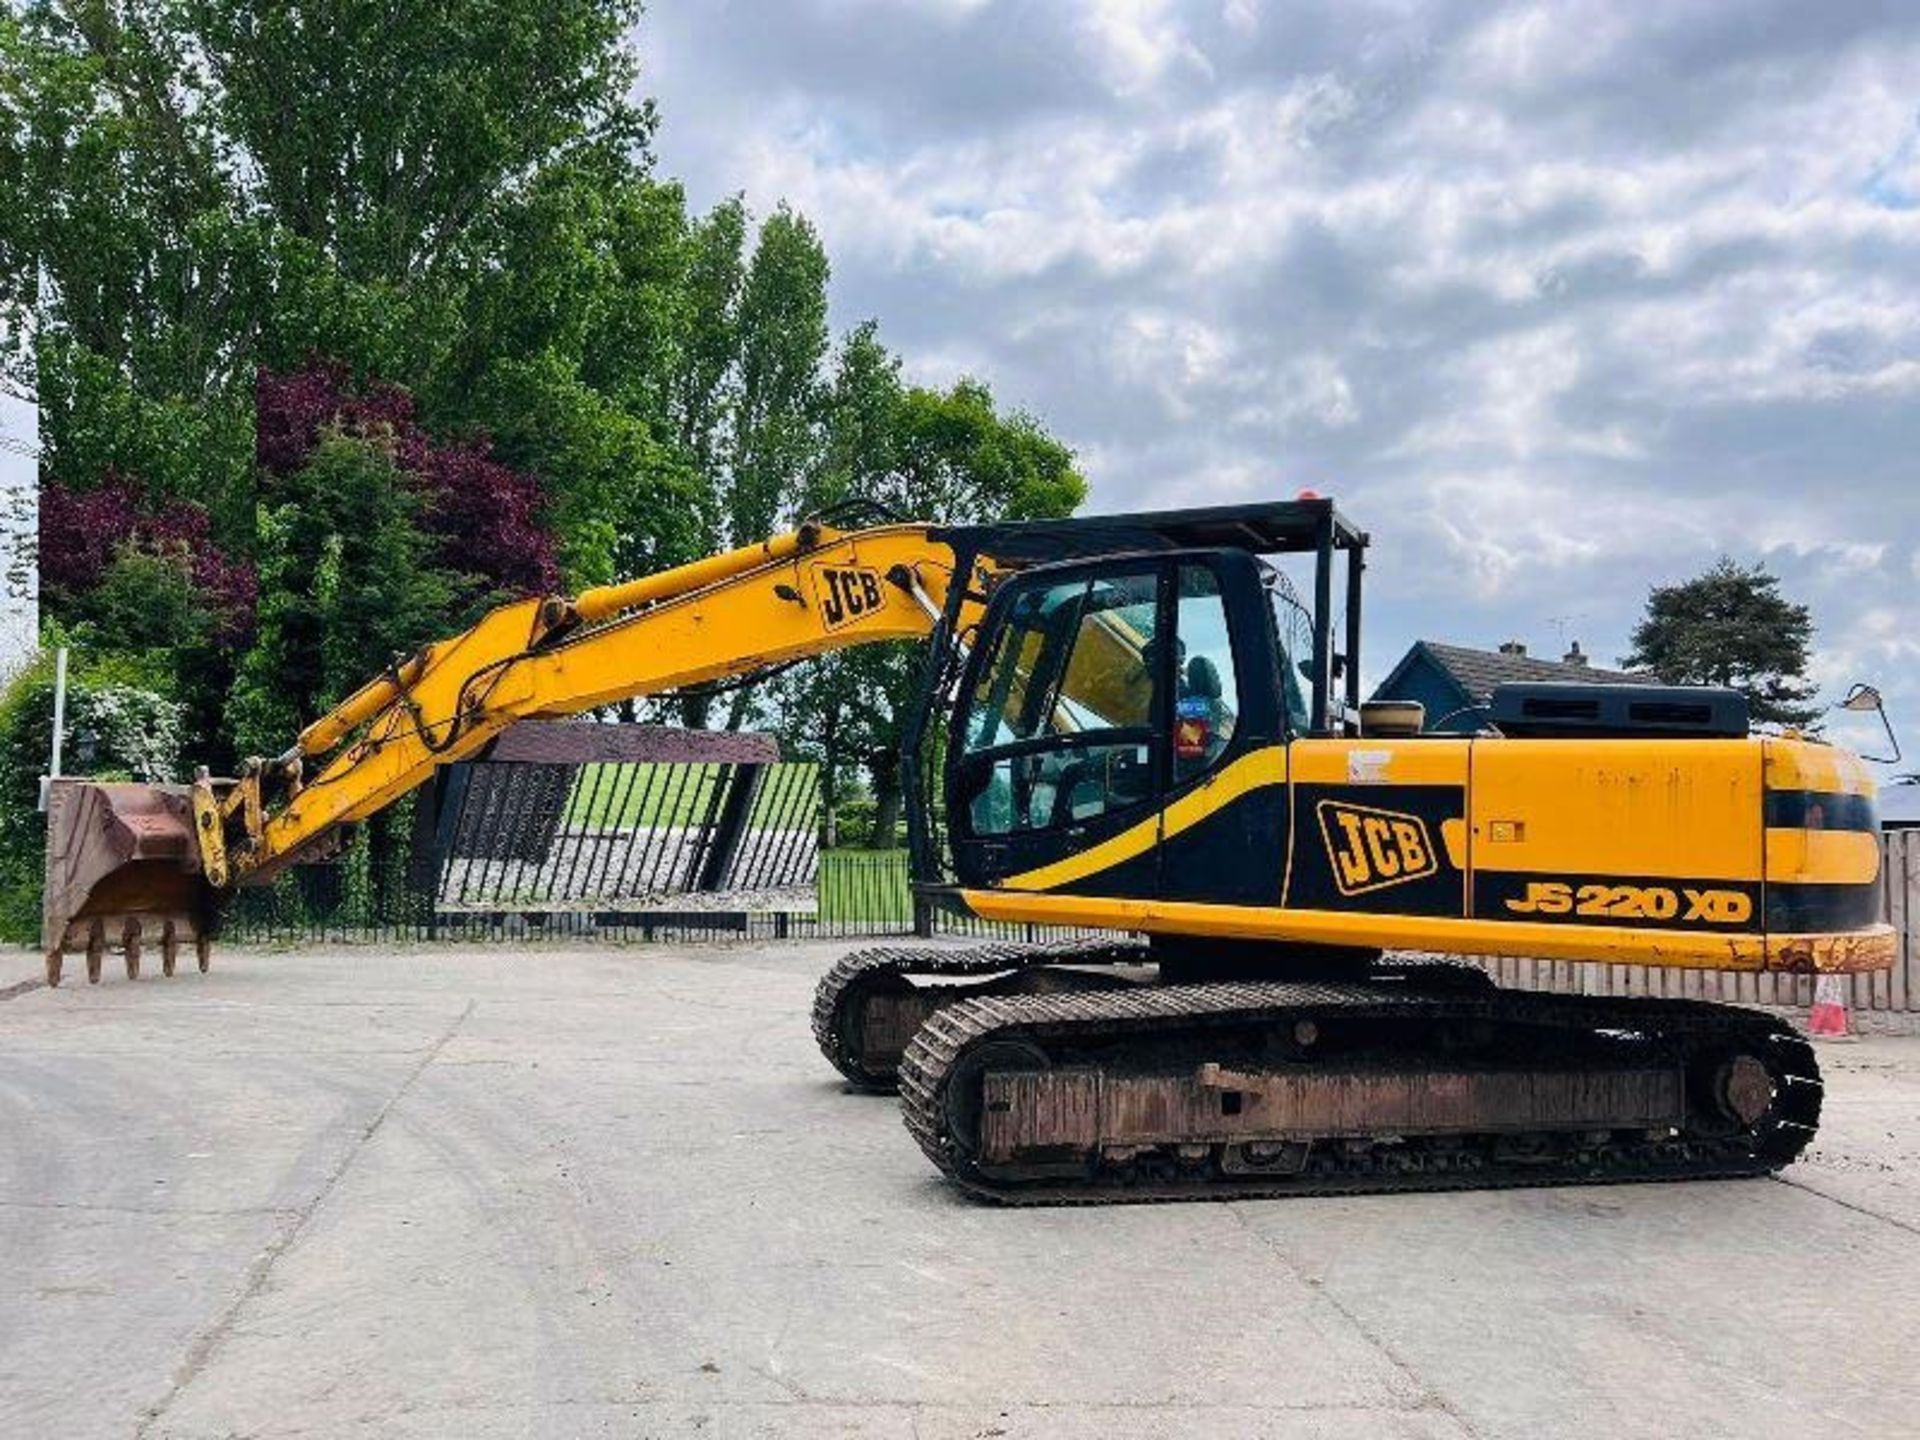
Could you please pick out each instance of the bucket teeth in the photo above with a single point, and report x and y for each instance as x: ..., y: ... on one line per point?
x: 123, y: 863
x: 97, y: 937
x: 128, y: 934
x: 96, y: 950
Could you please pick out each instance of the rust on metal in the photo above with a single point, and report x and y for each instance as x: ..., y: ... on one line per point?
x: 120, y: 856
x: 1843, y: 953
x: 1746, y: 1088
x: 1082, y: 1111
x: 1403, y: 1089
x: 889, y: 1022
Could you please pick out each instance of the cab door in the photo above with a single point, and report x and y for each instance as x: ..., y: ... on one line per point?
x: 1224, y: 830
x: 1056, y: 770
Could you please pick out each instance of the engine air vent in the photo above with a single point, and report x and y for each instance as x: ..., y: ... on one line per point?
x: 1547, y: 709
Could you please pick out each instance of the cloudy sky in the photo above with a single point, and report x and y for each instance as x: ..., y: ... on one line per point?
x: 1561, y: 300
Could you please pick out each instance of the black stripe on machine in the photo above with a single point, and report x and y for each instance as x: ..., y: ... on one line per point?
x: 1819, y: 810
x: 1804, y: 908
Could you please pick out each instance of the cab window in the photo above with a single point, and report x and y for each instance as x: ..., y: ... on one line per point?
x: 1207, y: 691
x: 1293, y: 642
x: 1059, y: 728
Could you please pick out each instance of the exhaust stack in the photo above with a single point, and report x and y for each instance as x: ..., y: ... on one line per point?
x: 123, y: 868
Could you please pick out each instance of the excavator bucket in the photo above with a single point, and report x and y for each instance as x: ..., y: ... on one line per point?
x: 123, y: 868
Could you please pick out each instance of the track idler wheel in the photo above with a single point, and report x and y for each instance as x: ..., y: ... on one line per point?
x: 965, y: 1100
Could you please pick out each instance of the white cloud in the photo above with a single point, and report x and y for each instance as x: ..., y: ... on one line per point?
x: 1135, y: 42
x: 1563, y: 299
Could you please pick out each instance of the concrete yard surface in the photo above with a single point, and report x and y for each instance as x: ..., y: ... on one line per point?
x: 615, y: 1192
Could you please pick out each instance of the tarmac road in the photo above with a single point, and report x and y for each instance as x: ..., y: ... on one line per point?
x: 607, y: 1192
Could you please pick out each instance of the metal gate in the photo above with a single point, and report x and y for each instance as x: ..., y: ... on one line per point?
x: 610, y: 819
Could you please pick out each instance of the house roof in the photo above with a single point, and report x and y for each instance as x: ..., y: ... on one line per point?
x: 1476, y: 672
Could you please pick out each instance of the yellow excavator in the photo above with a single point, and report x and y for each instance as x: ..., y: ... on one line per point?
x: 1134, y: 727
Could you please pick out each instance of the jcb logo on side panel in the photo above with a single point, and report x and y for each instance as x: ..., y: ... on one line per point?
x: 1370, y: 849
x: 846, y: 593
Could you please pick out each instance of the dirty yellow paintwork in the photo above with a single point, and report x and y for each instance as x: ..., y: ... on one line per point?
x: 1822, y: 857
x: 1689, y: 809
x: 1428, y: 761
x: 1802, y: 765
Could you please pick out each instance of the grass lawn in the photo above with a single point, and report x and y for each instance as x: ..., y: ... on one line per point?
x: 621, y: 796
x: 866, y: 887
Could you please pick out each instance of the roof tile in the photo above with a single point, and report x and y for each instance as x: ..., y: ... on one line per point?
x: 1478, y: 671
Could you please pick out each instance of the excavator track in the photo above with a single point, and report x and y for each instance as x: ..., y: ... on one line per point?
x: 868, y: 1005
x: 1274, y: 1089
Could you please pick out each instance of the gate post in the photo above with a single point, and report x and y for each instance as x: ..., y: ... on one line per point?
x: 420, y: 889
x: 729, y: 827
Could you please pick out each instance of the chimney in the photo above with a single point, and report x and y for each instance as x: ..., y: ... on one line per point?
x: 1575, y: 656
x: 1513, y: 647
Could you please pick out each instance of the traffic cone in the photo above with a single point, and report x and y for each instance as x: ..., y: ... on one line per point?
x: 1828, y: 1018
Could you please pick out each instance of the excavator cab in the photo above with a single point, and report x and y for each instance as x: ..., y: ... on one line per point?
x: 1093, y: 694
x: 1106, y: 693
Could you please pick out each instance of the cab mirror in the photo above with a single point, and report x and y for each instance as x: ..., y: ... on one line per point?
x: 1862, y: 698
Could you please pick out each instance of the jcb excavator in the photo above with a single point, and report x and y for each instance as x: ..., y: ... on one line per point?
x: 1114, y: 738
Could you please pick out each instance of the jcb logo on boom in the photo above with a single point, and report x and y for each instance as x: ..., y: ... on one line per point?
x: 1370, y: 849
x: 846, y: 593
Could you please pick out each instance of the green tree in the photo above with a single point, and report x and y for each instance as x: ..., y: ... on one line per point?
x: 384, y: 135
x: 716, y: 270
x: 774, y: 408
x: 622, y: 501
x: 1731, y: 627
x: 943, y: 455
x: 192, y: 188
x: 454, y: 197
x: 345, y: 588
x: 146, y: 602
x: 782, y: 342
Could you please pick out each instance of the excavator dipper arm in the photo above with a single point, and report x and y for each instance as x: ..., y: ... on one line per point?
x: 121, y: 857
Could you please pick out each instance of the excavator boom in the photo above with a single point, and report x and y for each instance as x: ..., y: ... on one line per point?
x: 124, y: 860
